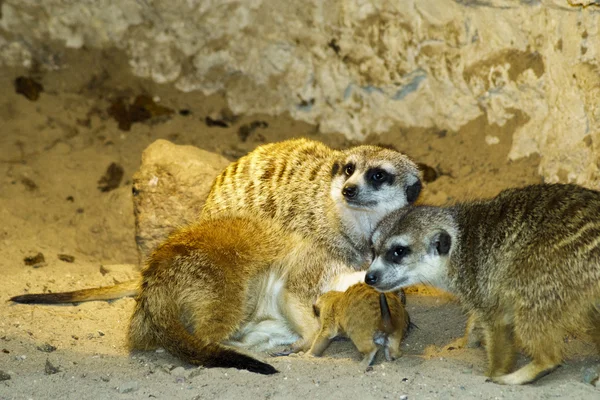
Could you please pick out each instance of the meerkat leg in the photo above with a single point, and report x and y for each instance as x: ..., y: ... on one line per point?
x: 500, y: 348
x: 529, y: 373
x: 302, y: 320
x: 392, y: 346
x: 367, y: 347
x: 544, y: 346
x: 321, y: 342
x: 473, y: 333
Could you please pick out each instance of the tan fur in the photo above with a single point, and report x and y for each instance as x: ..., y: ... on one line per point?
x: 357, y: 314
x: 298, y: 183
x: 525, y: 265
x: 209, y: 281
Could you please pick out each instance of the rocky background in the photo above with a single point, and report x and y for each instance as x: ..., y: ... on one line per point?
x: 357, y: 67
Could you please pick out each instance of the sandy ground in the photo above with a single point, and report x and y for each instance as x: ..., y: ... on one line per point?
x: 53, y: 152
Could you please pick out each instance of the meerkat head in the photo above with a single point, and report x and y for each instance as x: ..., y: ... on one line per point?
x: 371, y: 181
x: 410, y: 246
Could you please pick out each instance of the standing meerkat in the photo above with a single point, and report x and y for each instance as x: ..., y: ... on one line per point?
x: 333, y: 197
x: 366, y: 316
x: 230, y: 283
x: 526, y: 264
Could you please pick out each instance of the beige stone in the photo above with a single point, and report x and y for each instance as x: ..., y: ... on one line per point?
x: 169, y: 190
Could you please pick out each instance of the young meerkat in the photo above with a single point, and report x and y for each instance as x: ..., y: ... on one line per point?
x: 366, y: 316
x: 230, y: 283
x: 333, y: 197
x: 525, y: 264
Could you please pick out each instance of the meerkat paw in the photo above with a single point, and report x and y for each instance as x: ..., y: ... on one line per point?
x: 284, y: 353
x: 527, y: 374
x: 367, y: 362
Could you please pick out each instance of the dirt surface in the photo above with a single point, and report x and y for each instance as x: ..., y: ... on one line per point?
x: 65, y: 192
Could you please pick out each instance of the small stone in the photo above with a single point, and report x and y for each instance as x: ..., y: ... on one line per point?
x: 4, y: 376
x: 128, y: 387
x: 50, y: 369
x: 35, y: 261
x: 105, y: 378
x: 179, y: 371
x: 66, y: 258
x: 46, y: 348
x: 196, y: 372
x: 100, y: 333
x: 590, y: 376
x: 21, y: 357
x: 28, y: 87
x: 404, y: 397
x: 111, y: 178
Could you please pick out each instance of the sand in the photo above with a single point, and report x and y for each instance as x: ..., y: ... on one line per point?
x: 53, y: 152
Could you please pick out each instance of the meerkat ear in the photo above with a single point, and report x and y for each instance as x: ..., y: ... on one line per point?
x: 412, y: 191
x: 441, y: 243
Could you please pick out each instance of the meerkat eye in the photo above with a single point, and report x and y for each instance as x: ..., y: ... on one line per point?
x: 379, y: 175
x: 396, y: 254
x: 349, y: 169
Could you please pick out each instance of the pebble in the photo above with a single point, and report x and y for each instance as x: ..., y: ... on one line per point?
x: 590, y: 376
x: 46, y: 348
x: 404, y: 397
x: 4, y: 376
x: 128, y: 387
x: 179, y: 371
x: 105, y: 378
x: 196, y: 371
x: 50, y: 369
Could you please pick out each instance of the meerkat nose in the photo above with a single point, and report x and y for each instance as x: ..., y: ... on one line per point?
x: 350, y: 191
x: 371, y: 278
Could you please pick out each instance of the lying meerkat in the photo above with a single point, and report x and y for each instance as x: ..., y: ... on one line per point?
x: 366, y: 316
x: 526, y: 264
x: 333, y: 197
x: 230, y: 283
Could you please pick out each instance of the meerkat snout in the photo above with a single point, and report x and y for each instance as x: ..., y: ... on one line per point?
x: 350, y: 191
x: 371, y: 278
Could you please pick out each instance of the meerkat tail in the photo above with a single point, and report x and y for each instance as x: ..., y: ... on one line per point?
x: 386, y: 317
x: 123, y: 289
x: 179, y: 342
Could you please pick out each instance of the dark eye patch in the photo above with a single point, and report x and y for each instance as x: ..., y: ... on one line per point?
x: 335, y: 169
x: 396, y: 254
x: 378, y: 176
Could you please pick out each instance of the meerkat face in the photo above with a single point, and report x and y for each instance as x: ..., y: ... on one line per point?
x: 370, y: 182
x: 412, y: 246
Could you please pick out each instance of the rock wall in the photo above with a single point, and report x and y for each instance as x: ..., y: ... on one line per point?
x: 356, y: 66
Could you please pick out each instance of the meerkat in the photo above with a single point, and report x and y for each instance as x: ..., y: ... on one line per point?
x: 525, y: 264
x: 229, y: 284
x: 334, y: 197
x: 366, y: 316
